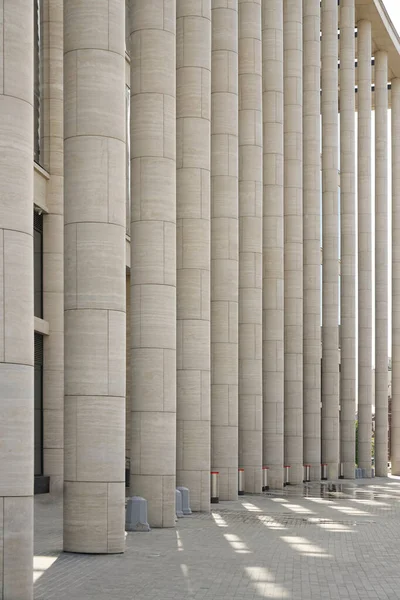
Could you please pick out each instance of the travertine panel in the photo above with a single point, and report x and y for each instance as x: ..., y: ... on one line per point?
x: 395, y: 130
x: 224, y: 246
x: 16, y: 299
x: 94, y: 277
x: 293, y: 210
x: 381, y: 264
x: 364, y: 248
x: 152, y: 42
x: 330, y: 239
x: 312, y: 238
x: 250, y: 243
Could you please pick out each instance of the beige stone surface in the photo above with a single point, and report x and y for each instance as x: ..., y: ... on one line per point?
x: 330, y: 239
x: 95, y: 329
x: 381, y: 264
x: 364, y: 248
x: 224, y: 246
x: 312, y: 238
x: 293, y: 208
x: 348, y: 230
x: 250, y: 243
x: 273, y: 241
x: 395, y: 134
x: 152, y: 39
x: 16, y: 299
x: 193, y: 130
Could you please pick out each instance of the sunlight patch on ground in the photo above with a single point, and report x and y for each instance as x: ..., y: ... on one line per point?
x: 304, y: 546
x: 41, y: 564
x: 237, y: 544
x: 263, y: 583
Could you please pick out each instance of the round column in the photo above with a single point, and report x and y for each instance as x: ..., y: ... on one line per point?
x: 94, y: 297
x: 395, y: 431
x: 250, y: 244
x: 153, y: 257
x: 273, y: 241
x: 348, y: 228
x: 364, y: 248
x: 16, y: 299
x: 312, y: 238
x: 381, y: 264
x: 330, y: 239
x: 293, y: 207
x: 224, y: 247
x: 193, y: 110
x: 52, y: 149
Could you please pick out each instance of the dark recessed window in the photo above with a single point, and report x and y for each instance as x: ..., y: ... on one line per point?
x: 37, y: 80
x: 38, y: 264
x: 38, y: 418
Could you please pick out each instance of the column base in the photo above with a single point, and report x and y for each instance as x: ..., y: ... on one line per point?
x: 349, y: 470
x: 275, y: 477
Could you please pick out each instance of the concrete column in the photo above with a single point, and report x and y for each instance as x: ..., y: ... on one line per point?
x: 273, y: 241
x: 94, y: 299
x: 364, y: 248
x: 330, y: 239
x: 250, y: 244
x: 348, y: 229
x: 52, y: 152
x: 16, y: 299
x: 395, y: 432
x: 312, y: 237
x: 224, y: 246
x: 381, y: 264
x: 293, y: 207
x: 193, y: 113
x: 153, y: 256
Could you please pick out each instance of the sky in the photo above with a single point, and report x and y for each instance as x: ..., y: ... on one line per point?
x: 393, y: 8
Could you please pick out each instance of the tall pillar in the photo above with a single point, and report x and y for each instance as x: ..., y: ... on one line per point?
x: 364, y: 248
x: 153, y: 256
x: 250, y: 244
x: 224, y: 247
x: 395, y: 431
x: 273, y: 241
x: 293, y: 208
x: 52, y: 147
x: 348, y: 228
x: 193, y: 249
x: 381, y: 264
x: 94, y: 298
x: 16, y: 299
x: 330, y: 239
x: 312, y: 237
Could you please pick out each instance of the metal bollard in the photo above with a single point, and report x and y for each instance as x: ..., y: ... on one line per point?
x: 241, y: 482
x: 341, y: 471
x: 214, y: 487
x: 324, y: 471
x: 306, y: 478
x: 287, y: 475
x: 265, y: 486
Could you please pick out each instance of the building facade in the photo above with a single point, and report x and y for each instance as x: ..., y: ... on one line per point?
x: 186, y: 197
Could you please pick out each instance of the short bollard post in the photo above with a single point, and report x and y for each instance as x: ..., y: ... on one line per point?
x: 214, y: 487
x: 324, y: 472
x: 178, y: 504
x: 185, y: 500
x: 265, y: 486
x: 136, y: 514
x: 306, y: 477
x: 287, y: 475
x: 241, y: 482
x: 341, y: 471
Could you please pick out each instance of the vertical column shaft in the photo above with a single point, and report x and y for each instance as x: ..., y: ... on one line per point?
x: 224, y: 246
x: 250, y: 243
x: 293, y: 207
x: 347, y: 238
x: 312, y: 237
x: 16, y: 299
x: 330, y: 239
x: 273, y: 241
x: 364, y: 248
x: 193, y: 249
x: 94, y: 298
x: 395, y: 431
x: 52, y: 149
x: 381, y: 264
x: 153, y: 256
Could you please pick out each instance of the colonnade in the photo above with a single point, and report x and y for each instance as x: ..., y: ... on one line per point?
x: 230, y: 109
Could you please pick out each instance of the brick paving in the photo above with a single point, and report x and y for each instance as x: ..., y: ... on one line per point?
x: 316, y: 541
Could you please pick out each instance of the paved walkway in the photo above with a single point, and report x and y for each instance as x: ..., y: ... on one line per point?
x: 317, y: 541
